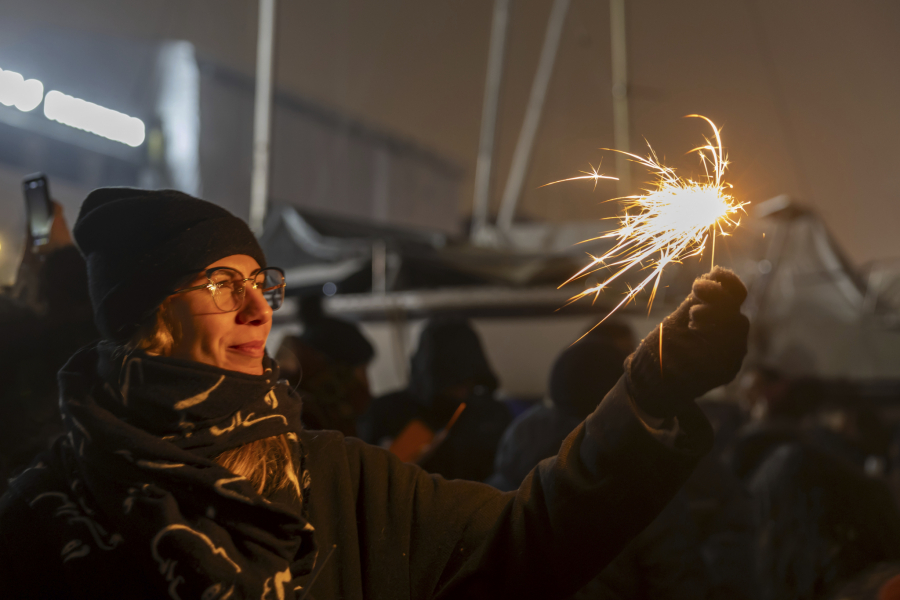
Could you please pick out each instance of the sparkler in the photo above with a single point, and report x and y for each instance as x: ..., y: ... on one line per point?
x: 667, y: 224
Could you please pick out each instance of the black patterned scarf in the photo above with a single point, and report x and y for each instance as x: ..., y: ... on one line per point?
x: 141, y: 435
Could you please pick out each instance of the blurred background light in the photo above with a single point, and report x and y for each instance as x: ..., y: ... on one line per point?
x: 94, y: 118
x: 15, y: 90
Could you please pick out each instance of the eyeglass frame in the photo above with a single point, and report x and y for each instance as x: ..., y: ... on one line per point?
x: 209, y: 285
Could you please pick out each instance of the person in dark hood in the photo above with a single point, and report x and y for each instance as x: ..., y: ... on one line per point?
x: 448, y: 369
x: 664, y: 561
x: 590, y: 366
x: 186, y: 472
x: 327, y: 364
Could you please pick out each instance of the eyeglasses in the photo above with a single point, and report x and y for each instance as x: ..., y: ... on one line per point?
x: 227, y: 287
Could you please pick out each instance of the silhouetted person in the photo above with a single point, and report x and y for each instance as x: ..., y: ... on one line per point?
x: 664, y: 561
x: 616, y: 332
x: 778, y: 406
x: 823, y: 523
x: 448, y: 368
x: 588, y: 368
x: 723, y: 511
x: 852, y: 428
x: 44, y: 321
x: 327, y: 364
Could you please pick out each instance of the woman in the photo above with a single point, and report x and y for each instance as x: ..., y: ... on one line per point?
x: 186, y: 473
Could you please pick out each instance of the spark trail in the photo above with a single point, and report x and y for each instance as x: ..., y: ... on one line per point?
x: 671, y: 221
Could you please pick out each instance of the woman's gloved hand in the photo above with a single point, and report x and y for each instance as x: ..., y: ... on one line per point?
x: 703, y: 344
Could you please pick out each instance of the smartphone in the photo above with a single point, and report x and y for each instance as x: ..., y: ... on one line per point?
x: 39, y: 207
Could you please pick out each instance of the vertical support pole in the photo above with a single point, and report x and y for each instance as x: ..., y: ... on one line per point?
x: 262, y: 115
x: 379, y: 267
x: 481, y: 204
x: 621, y: 129
x: 522, y: 154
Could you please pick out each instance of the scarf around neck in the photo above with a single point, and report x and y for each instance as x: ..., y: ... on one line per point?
x: 142, y: 432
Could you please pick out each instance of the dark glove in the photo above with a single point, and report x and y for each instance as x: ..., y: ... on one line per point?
x: 703, y: 344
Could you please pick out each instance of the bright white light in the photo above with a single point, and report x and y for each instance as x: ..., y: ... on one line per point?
x: 16, y: 91
x: 26, y: 95
x: 93, y: 118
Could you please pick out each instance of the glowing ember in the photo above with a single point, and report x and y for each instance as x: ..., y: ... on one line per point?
x: 669, y: 223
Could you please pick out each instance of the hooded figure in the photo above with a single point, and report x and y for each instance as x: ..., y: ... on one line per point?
x: 186, y: 472
x: 590, y: 366
x: 327, y: 364
x: 448, y: 368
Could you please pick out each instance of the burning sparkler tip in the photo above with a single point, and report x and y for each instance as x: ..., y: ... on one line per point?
x: 673, y: 219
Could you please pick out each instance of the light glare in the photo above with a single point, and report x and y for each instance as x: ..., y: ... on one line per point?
x: 670, y: 222
x: 16, y: 91
x: 94, y: 118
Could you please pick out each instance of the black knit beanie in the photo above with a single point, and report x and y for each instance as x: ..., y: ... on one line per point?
x: 339, y: 340
x: 583, y: 374
x: 141, y: 245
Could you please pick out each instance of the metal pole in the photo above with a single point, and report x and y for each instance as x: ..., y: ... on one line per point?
x: 621, y: 130
x: 379, y: 267
x: 262, y: 115
x: 481, y: 204
x: 522, y: 154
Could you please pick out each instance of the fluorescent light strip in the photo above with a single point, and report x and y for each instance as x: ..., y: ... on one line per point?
x: 93, y: 118
x: 26, y: 95
x: 15, y: 90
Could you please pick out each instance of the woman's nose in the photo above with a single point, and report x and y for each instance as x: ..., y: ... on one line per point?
x: 256, y: 310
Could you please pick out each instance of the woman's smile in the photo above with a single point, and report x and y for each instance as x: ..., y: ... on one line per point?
x: 255, y: 349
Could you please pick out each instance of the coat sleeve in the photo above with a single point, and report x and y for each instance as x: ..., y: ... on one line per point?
x: 569, y: 518
x: 671, y: 565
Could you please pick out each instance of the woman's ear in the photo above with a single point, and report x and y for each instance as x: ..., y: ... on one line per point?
x: 160, y: 336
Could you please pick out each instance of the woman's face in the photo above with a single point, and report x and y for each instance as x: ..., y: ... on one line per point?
x: 230, y: 340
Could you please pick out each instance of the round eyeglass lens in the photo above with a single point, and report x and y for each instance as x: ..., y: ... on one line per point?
x: 271, y: 283
x: 227, y: 290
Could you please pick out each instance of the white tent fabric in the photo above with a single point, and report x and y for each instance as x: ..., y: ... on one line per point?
x: 813, y: 313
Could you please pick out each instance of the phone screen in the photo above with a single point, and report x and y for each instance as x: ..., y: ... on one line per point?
x: 40, y: 209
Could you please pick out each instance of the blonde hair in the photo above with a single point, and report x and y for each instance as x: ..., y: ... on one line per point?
x: 267, y: 463
x: 157, y: 336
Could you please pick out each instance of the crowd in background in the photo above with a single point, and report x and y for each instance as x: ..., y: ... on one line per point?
x: 795, y: 502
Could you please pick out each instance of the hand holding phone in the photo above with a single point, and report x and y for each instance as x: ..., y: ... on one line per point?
x: 47, y: 226
x: 39, y: 208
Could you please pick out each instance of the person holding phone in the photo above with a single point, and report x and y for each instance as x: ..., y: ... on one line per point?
x: 186, y: 472
x: 46, y: 234
x: 45, y: 318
